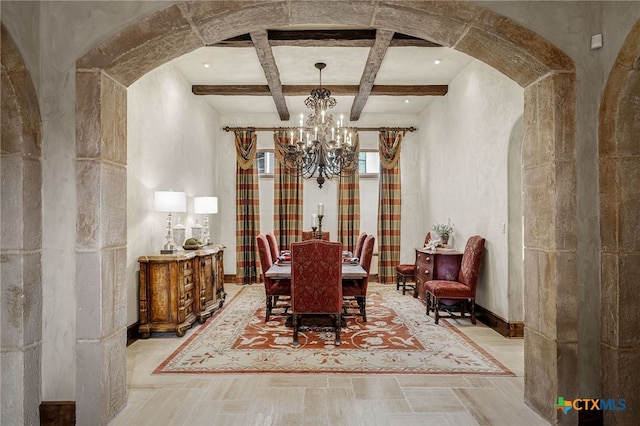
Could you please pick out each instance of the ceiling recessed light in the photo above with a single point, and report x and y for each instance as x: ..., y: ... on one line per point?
x: 437, y: 61
x: 406, y: 101
x: 206, y: 64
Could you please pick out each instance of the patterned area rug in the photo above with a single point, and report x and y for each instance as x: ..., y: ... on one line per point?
x: 398, y: 338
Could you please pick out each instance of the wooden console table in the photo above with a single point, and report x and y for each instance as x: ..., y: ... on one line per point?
x: 178, y: 289
x: 436, y: 264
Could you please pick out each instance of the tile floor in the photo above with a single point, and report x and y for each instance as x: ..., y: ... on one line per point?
x: 325, y: 399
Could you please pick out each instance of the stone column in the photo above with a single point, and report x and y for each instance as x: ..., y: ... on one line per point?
x: 21, y: 241
x: 620, y: 233
x: 550, y: 245
x: 101, y: 188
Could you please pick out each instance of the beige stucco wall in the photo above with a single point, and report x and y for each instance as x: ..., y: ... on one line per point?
x: 464, y: 146
x: 172, y: 142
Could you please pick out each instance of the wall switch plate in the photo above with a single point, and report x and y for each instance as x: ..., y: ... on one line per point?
x: 596, y: 42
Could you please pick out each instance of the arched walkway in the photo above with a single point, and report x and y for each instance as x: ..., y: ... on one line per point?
x: 619, y: 146
x: 546, y: 74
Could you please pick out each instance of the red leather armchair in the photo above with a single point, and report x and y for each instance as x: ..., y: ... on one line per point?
x: 406, y: 271
x: 359, y: 244
x: 357, y: 289
x: 274, y: 289
x: 273, y: 245
x: 316, y: 282
x: 462, y: 291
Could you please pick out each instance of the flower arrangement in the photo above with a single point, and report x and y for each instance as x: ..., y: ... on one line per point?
x: 444, y: 230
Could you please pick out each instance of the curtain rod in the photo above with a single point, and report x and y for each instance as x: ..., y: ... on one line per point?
x: 360, y: 129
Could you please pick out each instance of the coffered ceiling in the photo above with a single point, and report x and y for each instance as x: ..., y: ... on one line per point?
x: 367, y: 71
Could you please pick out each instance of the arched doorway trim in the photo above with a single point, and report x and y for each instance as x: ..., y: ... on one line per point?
x: 21, y: 249
x: 619, y: 162
x: 546, y: 73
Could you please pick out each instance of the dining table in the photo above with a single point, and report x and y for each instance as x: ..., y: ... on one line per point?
x: 282, y: 271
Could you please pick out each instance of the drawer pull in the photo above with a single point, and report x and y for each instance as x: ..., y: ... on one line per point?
x: 426, y: 272
x: 428, y: 259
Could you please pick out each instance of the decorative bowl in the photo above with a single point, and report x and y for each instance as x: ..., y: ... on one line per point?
x: 193, y: 247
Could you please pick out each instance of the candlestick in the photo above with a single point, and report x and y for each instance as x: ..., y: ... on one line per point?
x: 319, y: 234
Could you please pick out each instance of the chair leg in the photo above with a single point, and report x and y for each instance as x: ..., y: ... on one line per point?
x: 268, y: 311
x: 338, y: 325
x: 397, y: 280
x: 436, y: 309
x: 295, y: 330
x: 473, y: 311
x: 428, y: 303
x: 362, y: 302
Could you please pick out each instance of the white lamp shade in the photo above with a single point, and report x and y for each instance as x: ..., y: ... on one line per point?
x: 205, y: 205
x: 170, y: 201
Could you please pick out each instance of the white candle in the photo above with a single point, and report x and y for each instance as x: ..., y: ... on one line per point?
x: 314, y: 220
x: 320, y: 209
x: 315, y: 135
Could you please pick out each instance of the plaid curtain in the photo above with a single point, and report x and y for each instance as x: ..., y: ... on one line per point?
x: 247, y: 206
x: 349, y: 205
x: 287, y: 196
x: 389, y: 205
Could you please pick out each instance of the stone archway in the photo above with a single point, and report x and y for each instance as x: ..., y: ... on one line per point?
x: 619, y: 151
x: 546, y: 74
x: 21, y: 239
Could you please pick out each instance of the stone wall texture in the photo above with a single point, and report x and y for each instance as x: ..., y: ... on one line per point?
x: 619, y: 147
x: 21, y: 241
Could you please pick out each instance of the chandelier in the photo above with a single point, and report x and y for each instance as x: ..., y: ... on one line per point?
x: 322, y: 147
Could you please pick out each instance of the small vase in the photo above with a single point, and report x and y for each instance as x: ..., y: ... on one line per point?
x: 445, y: 239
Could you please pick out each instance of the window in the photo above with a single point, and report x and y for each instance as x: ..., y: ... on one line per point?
x: 368, y: 163
x: 266, y: 162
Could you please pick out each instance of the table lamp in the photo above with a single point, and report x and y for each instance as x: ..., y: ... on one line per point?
x: 206, y: 206
x: 169, y: 202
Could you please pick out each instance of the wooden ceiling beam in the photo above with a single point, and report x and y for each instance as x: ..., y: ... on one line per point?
x: 374, y: 60
x: 325, y: 38
x: 336, y: 90
x: 268, y: 62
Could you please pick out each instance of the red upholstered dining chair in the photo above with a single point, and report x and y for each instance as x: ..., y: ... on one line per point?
x: 308, y: 235
x: 462, y: 291
x: 359, y: 245
x: 357, y: 289
x: 273, y: 245
x: 405, y: 271
x: 316, y: 282
x: 274, y: 289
